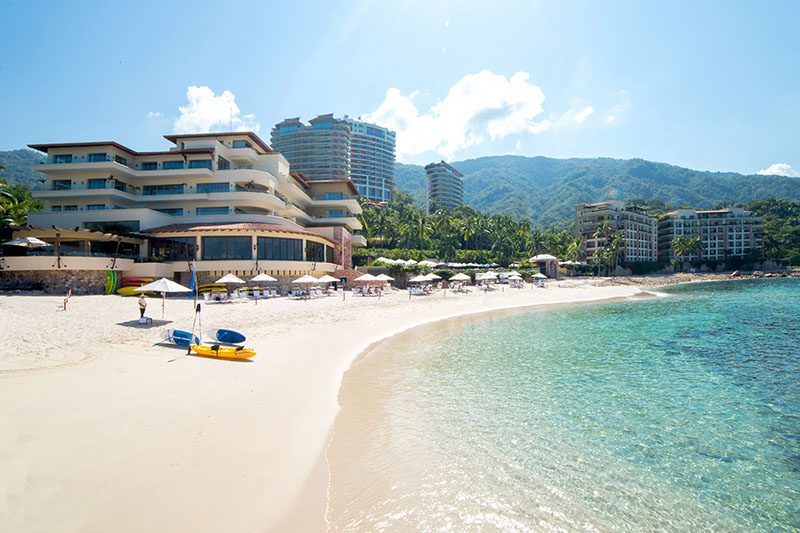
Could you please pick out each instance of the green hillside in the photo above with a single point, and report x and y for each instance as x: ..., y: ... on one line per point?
x: 19, y: 167
x: 546, y: 190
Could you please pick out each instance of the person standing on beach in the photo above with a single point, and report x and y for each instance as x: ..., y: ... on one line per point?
x: 142, y: 306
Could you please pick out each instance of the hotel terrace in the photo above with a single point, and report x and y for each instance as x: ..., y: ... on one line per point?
x: 225, y: 200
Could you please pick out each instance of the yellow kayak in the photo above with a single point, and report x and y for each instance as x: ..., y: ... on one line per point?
x: 222, y: 352
x: 130, y: 291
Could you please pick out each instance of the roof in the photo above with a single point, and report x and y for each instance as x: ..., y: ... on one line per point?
x: 232, y: 226
x: 445, y: 165
x: 350, y: 183
x: 301, y: 178
x: 255, y: 138
x: 45, y: 147
x: 73, y: 234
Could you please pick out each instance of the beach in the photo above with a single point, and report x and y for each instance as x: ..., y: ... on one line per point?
x: 103, y: 429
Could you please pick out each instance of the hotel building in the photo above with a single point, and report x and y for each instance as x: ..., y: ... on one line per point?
x: 225, y: 200
x: 331, y: 148
x: 445, y: 187
x: 723, y: 233
x: 640, y: 230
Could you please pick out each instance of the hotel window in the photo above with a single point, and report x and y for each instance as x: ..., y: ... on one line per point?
x: 200, y: 163
x: 223, y: 164
x: 172, y: 165
x: 151, y: 190
x: 121, y: 160
x: 70, y: 208
x: 212, y: 211
x: 95, y: 207
x: 62, y: 158
x: 94, y: 158
x: 279, y: 249
x: 242, y: 144
x: 174, y: 211
x: 62, y: 185
x: 315, y: 251
x: 216, y: 248
x: 335, y: 213
x: 55, y: 208
x: 333, y: 196
x: 96, y: 183
x: 329, y: 254
x: 150, y: 165
x: 213, y: 187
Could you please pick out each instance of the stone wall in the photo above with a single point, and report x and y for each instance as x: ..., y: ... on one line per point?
x: 55, y: 281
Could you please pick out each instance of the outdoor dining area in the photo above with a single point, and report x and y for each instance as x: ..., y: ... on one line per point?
x: 231, y: 288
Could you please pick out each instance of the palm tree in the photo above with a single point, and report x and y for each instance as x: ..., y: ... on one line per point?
x: 683, y: 247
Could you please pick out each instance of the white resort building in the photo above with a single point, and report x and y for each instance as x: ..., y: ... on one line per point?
x: 723, y: 233
x: 225, y: 201
x: 640, y: 231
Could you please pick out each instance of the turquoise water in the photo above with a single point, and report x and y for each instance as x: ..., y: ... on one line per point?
x: 677, y: 413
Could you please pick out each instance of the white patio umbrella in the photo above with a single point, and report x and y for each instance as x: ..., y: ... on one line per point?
x: 427, y: 263
x: 229, y: 278
x: 366, y: 277
x: 327, y: 279
x: 305, y: 280
x: 163, y: 286
x: 262, y: 278
x: 460, y: 277
x: 384, y: 277
x: 419, y: 279
x: 433, y: 276
x: 27, y: 242
x: 539, y: 275
x: 513, y: 273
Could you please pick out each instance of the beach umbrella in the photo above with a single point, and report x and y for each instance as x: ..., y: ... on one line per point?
x: 384, y: 277
x: 306, y: 280
x: 539, y: 275
x: 543, y: 257
x: 419, y: 279
x: 427, y: 263
x: 27, y: 242
x: 163, y: 286
x: 513, y: 273
x: 460, y: 277
x: 366, y: 277
x: 229, y: 278
x: 433, y: 276
x: 262, y: 278
x: 327, y: 279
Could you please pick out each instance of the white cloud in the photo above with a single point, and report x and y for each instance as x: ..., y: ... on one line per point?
x: 154, y: 115
x: 780, y: 169
x: 611, y: 118
x: 583, y: 113
x: 478, y: 106
x: 208, y: 112
x: 517, y: 147
x: 447, y: 23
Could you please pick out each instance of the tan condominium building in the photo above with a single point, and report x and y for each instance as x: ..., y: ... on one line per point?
x: 640, y: 231
x: 723, y: 233
x: 445, y: 187
x: 227, y: 201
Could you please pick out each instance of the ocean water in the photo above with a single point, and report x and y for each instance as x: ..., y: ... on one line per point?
x: 678, y: 413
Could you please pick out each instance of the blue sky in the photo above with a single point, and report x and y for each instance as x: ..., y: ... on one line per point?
x: 709, y: 85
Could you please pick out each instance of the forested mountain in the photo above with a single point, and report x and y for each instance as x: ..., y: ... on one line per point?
x: 546, y: 190
x: 18, y: 167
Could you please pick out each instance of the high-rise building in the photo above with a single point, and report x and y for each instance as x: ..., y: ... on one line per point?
x: 372, y: 158
x: 723, y: 233
x: 227, y: 201
x: 640, y: 231
x: 445, y: 188
x: 319, y: 149
x: 330, y: 148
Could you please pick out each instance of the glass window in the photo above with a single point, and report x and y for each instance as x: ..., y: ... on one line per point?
x: 175, y: 188
x: 216, y: 248
x: 62, y: 185
x: 150, y: 165
x: 96, y: 183
x: 213, y: 187
x: 329, y: 254
x: 315, y: 251
x: 212, y: 210
x: 333, y: 196
x: 121, y: 160
x: 223, y: 164
x: 95, y: 207
x: 279, y: 249
x: 242, y: 144
x: 200, y: 163
x: 172, y: 165
x: 94, y: 158
x: 175, y: 248
x: 70, y: 208
x: 174, y: 211
x: 55, y: 208
x: 62, y: 158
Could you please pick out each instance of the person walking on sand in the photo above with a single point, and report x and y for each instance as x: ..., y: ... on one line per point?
x: 142, y: 306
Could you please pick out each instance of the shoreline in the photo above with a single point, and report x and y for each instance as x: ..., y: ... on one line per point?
x: 191, y: 434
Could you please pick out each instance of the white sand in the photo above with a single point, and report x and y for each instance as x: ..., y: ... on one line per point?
x: 100, y: 432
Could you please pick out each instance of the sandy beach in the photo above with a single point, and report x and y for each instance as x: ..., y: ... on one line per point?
x: 102, y: 429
